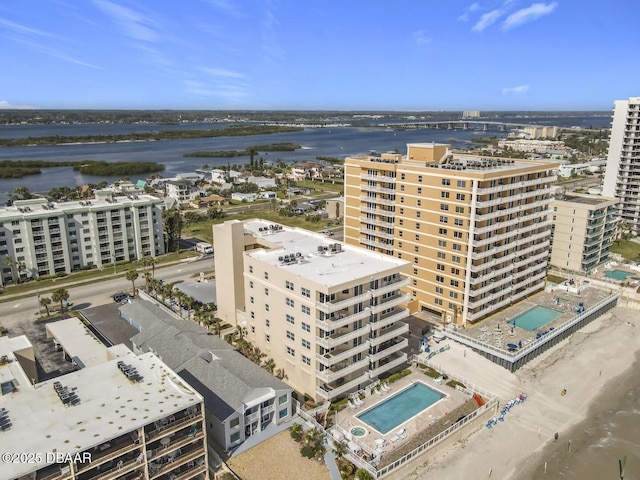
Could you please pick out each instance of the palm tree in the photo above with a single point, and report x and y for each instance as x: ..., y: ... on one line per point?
x: 147, y: 280
x: 340, y: 449
x: 11, y: 264
x: 45, y: 302
x: 60, y: 295
x: 269, y: 365
x: 132, y: 275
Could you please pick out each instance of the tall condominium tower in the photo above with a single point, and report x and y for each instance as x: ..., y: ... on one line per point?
x: 622, y: 178
x: 476, y: 230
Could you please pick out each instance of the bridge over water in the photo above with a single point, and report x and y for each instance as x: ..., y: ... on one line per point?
x: 485, y: 125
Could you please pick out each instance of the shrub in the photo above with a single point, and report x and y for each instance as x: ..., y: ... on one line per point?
x: 398, y: 375
x: 296, y: 432
x: 308, y: 451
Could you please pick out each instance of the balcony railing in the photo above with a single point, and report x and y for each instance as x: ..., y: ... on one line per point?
x: 331, y: 358
x: 329, y: 376
x: 388, y: 366
x: 399, y: 330
x: 329, y: 393
x: 389, y: 319
x: 343, y: 320
x: 391, y: 302
x: 336, y: 339
x: 389, y: 350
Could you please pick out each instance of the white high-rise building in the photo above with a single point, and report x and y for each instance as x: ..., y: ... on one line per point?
x: 622, y: 178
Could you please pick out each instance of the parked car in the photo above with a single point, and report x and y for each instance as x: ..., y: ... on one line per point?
x: 120, y: 297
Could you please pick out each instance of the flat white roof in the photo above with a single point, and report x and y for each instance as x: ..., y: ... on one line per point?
x: 11, y: 371
x: 110, y: 406
x: 351, y: 263
x: 78, y: 341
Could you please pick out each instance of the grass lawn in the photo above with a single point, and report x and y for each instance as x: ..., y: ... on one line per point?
x: 629, y: 250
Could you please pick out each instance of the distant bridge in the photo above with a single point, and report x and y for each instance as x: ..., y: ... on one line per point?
x: 485, y: 125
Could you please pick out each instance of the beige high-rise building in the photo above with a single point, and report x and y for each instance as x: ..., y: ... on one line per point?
x: 329, y: 315
x: 476, y: 230
x: 584, y: 227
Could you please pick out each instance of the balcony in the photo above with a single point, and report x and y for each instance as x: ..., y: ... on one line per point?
x: 378, y: 178
x: 186, y: 455
x: 343, y: 320
x: 402, y: 358
x: 329, y: 376
x: 331, y: 358
x: 331, y: 307
x: 400, y: 329
x: 374, y: 357
x: 391, y: 302
x: 170, y: 426
x: 389, y: 319
x: 368, y: 188
x: 339, y: 338
x: 329, y: 393
x: 378, y: 200
x: 378, y: 223
x: 377, y: 292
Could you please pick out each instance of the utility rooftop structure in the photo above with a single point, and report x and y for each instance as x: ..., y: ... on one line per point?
x: 475, y: 229
x: 128, y: 417
x: 622, y: 176
x: 45, y: 238
x: 329, y: 315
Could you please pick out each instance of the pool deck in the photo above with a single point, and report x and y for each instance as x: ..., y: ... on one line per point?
x: 347, y: 418
x: 495, y: 330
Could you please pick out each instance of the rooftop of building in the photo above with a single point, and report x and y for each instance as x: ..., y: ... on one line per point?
x: 78, y: 342
x: 109, y: 405
x: 316, y: 258
x: 585, y: 199
x: 39, y: 207
x: 227, y: 380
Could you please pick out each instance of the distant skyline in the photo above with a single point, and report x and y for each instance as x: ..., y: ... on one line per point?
x: 329, y: 55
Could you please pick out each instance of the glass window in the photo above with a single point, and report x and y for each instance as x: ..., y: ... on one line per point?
x: 234, y: 422
x: 283, y: 413
x: 282, y: 399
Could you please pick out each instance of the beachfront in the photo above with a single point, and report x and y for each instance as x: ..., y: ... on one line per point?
x: 586, y: 365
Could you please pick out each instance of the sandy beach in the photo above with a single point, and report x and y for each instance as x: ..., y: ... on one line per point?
x: 594, y: 366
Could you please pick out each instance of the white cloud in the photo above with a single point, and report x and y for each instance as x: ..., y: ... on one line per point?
x: 4, y: 105
x: 487, y: 19
x: 21, y: 29
x: 222, y: 72
x: 134, y: 25
x: 472, y: 8
x: 515, y: 90
x: 529, y: 14
x: 421, y: 38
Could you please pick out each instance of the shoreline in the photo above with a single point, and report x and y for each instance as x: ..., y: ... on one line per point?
x: 587, y: 365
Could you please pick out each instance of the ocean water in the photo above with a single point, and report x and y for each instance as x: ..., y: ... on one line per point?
x: 611, y: 431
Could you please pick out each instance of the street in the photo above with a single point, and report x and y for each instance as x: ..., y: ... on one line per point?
x: 100, y: 292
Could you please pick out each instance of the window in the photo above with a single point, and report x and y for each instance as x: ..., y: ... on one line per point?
x: 401, y: 222
x: 455, y: 271
x: 266, y: 292
x: 454, y: 283
x: 250, y: 299
x: 415, y: 271
x: 460, y: 196
x: 253, y: 329
x: 458, y: 222
x: 457, y: 246
x: 457, y: 234
x: 401, y: 199
x: 266, y: 322
x: 419, y: 190
x: 417, y: 226
x: 250, y: 268
x: 251, y: 284
x: 402, y: 211
x: 453, y: 294
x: 444, y: 194
x: 267, y: 338
x: 462, y: 184
x: 306, y: 327
x: 306, y: 292
x: 306, y: 344
x: 283, y: 413
x: 444, y: 219
x: 418, y: 202
x: 442, y: 243
x: 442, y: 255
x: 306, y: 310
x: 306, y: 360
x: 416, y: 249
x: 402, y: 176
x: 418, y: 214
x: 234, y: 422
x: 444, y: 206
x: 439, y: 290
x: 288, y: 285
x: 446, y: 181
x: 415, y: 260
x: 442, y: 231
x: 291, y: 335
x: 439, y: 279
x: 291, y: 351
x: 290, y: 319
x: 234, y: 437
x: 455, y: 259
x: 290, y: 302
x: 253, y: 315
x: 266, y: 275
x: 282, y: 399
x: 417, y: 238
x: 437, y: 301
x: 402, y: 188
x: 419, y: 178
x: 459, y: 209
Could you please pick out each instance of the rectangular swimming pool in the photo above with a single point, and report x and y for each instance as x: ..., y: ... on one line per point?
x: 395, y: 410
x: 534, y: 318
x: 618, y: 274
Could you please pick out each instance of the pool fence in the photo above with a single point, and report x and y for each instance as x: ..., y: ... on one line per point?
x: 516, y: 359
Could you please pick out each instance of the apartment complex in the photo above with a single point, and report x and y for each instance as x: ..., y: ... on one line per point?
x: 39, y: 238
x: 329, y: 315
x: 584, y: 228
x: 241, y: 399
x: 540, y: 132
x: 622, y: 176
x: 128, y: 417
x: 476, y: 230
x: 533, y: 146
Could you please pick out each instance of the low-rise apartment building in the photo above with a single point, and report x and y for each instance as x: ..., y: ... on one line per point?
x: 475, y: 230
x: 39, y: 238
x: 329, y: 315
x: 584, y: 227
x: 128, y: 417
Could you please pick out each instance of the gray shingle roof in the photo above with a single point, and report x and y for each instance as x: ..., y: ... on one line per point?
x: 224, y: 377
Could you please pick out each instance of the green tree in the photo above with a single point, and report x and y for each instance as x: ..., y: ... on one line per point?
x: 132, y: 275
x: 173, y: 229
x: 60, y: 295
x: 45, y: 302
x: 363, y: 474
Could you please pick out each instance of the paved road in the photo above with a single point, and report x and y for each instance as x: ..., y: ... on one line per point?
x: 99, y: 293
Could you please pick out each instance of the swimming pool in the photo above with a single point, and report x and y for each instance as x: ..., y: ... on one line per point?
x: 395, y: 410
x: 618, y: 274
x: 534, y: 318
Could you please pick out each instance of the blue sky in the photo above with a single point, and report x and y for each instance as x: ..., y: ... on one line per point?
x: 329, y: 54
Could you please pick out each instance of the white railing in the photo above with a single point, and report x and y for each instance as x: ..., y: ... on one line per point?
x: 390, y: 302
x: 402, y: 328
x: 388, y: 351
x: 388, y: 366
x: 342, y: 321
x: 376, y: 292
x: 332, y: 376
x: 330, y: 359
x: 336, y: 392
x: 388, y: 320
